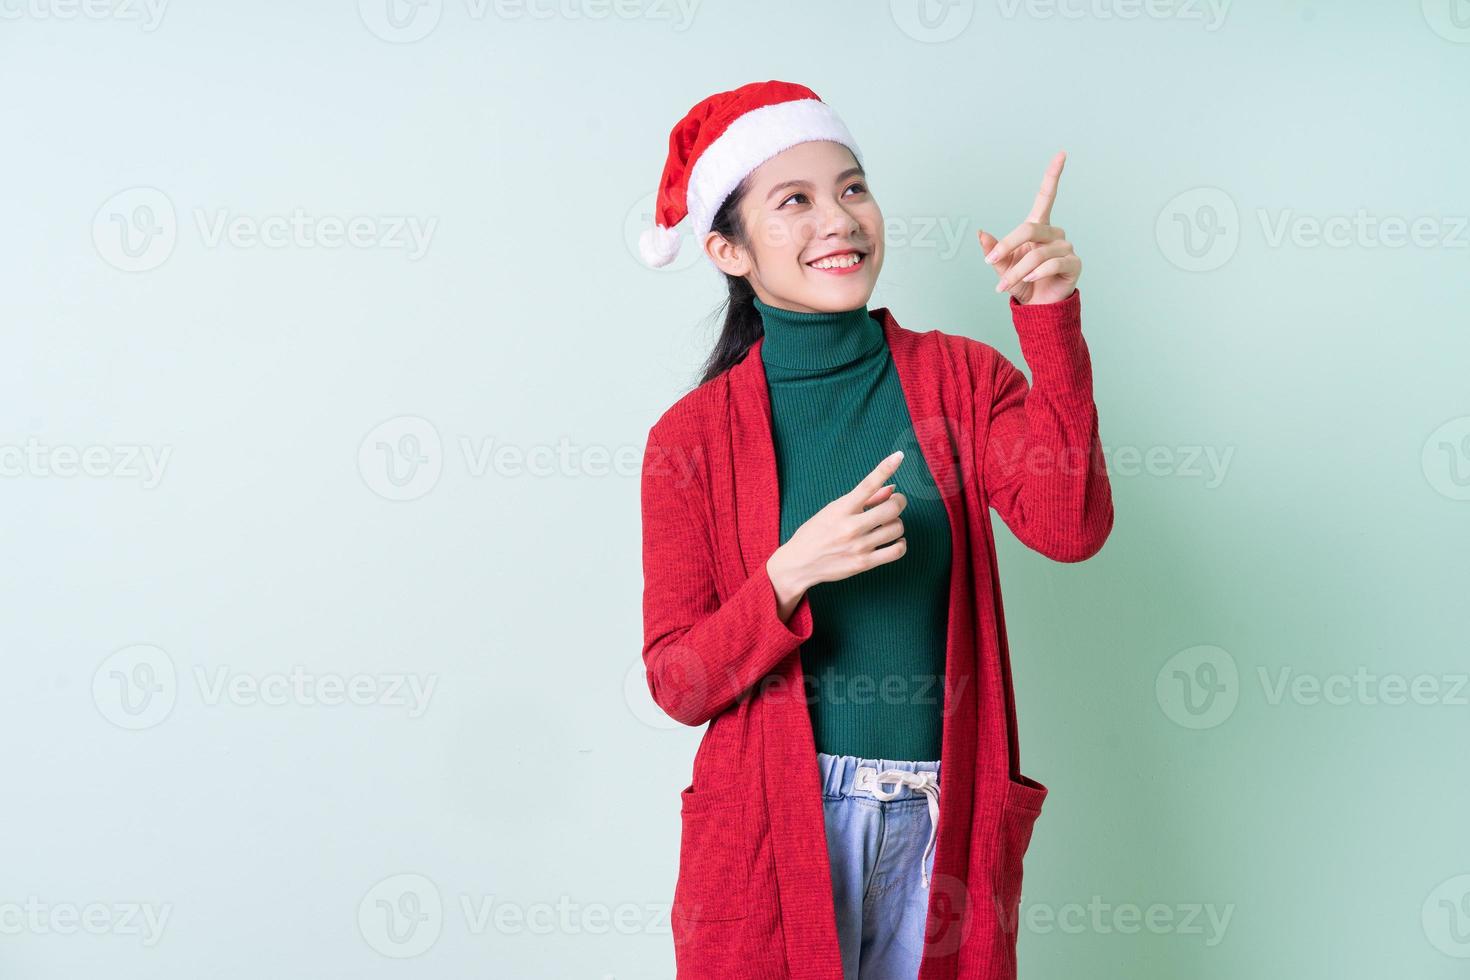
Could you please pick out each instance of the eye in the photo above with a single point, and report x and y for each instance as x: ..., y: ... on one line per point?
x: 859, y: 186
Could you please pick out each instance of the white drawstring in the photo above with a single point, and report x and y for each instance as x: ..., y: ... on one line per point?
x: 924, y: 782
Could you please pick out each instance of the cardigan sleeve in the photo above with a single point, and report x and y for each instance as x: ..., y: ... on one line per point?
x: 701, y: 654
x: 1042, y: 465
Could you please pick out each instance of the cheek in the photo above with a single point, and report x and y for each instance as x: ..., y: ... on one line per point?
x: 873, y: 226
x: 780, y: 238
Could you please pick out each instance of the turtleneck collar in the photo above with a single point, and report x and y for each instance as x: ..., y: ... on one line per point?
x: 804, y: 344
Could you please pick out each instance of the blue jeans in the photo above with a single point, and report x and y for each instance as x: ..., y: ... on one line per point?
x: 881, y: 819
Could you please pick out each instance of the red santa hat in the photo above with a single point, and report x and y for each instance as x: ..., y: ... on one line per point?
x: 719, y: 142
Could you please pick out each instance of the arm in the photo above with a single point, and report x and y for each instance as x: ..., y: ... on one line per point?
x: 1042, y: 465
x: 701, y: 654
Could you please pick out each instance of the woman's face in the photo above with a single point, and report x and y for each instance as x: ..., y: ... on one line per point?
x: 805, y: 203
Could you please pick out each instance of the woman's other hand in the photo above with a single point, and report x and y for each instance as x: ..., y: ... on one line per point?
x: 859, y: 530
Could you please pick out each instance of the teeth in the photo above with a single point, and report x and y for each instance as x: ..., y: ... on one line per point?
x: 838, y: 262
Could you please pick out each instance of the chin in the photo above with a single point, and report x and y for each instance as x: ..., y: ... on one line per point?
x: 860, y: 281
x: 843, y: 294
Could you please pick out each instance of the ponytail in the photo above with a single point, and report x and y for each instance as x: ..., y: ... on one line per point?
x: 743, y: 325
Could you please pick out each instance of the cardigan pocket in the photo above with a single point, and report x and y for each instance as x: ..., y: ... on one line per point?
x: 1024, y: 798
x: 714, y: 863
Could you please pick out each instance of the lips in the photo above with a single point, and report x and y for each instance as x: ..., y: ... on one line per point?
x: 841, y: 270
x: 832, y: 255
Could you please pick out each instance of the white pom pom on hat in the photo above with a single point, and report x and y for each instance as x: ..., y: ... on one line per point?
x: 721, y: 140
x: 658, y: 246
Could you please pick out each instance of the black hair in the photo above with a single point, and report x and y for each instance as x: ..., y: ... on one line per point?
x: 743, y: 325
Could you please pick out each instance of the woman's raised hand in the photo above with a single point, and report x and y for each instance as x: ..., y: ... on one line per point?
x: 1035, y: 261
x: 848, y: 536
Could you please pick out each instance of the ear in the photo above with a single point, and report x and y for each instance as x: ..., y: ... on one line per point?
x: 728, y: 257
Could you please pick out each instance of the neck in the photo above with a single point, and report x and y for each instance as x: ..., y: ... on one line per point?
x: 809, y: 343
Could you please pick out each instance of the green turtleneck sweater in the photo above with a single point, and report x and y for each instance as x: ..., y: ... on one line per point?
x: 874, y: 664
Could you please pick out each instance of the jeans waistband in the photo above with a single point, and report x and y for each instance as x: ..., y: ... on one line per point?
x: 887, y: 780
x: 844, y: 775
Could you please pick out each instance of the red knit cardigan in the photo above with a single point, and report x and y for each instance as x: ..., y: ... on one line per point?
x: 754, y: 892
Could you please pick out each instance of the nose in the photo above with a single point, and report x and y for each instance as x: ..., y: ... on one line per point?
x: 835, y: 221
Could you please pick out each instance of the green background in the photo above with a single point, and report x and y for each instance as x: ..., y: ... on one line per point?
x: 1242, y: 185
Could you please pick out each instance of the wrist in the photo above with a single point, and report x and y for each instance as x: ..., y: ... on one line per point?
x: 784, y: 578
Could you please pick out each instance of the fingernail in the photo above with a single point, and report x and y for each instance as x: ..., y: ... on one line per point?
x: 990, y: 258
x: 1000, y: 286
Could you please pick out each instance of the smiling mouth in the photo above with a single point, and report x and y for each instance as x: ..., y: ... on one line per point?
x: 841, y: 262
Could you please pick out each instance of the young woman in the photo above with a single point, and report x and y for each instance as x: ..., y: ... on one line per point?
x: 819, y: 574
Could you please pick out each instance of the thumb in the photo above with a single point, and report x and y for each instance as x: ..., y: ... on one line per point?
x: 880, y: 495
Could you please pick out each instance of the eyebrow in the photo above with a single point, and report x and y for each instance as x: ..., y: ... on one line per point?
x: 849, y: 172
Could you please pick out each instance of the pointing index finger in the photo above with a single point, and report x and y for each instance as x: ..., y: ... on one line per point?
x: 876, y: 477
x: 1041, y: 209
